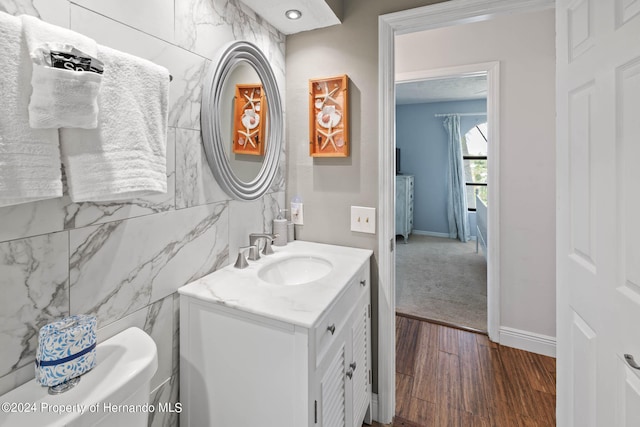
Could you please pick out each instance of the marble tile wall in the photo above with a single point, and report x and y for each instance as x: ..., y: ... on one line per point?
x: 124, y: 261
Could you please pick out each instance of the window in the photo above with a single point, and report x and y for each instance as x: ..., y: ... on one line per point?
x: 474, y: 153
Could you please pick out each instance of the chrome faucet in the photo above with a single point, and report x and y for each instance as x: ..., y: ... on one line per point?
x: 268, y: 239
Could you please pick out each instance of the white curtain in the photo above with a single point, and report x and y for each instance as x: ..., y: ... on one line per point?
x: 457, y: 212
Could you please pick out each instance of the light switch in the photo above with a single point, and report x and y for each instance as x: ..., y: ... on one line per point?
x: 363, y: 219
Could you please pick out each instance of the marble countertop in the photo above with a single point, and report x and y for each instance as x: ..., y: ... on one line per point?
x: 302, y: 304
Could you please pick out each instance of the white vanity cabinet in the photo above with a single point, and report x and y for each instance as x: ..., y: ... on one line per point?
x: 240, y: 368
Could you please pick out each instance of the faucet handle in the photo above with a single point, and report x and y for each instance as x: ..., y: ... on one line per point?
x: 254, y: 252
x: 241, y: 261
x: 268, y: 250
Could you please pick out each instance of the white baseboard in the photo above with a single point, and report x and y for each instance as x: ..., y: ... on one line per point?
x: 436, y: 234
x: 430, y: 233
x: 528, y: 341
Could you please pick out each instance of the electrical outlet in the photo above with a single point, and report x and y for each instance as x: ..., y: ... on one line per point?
x: 363, y: 220
x: 297, y: 216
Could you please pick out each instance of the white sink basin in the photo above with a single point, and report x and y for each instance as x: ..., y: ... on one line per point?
x: 269, y: 286
x: 295, y: 270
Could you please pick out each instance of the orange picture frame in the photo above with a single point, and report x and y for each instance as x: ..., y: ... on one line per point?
x: 250, y: 108
x: 329, y: 116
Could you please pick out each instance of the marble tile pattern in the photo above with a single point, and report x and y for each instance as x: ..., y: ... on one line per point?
x: 34, y: 280
x: 124, y: 261
x: 141, y: 260
x: 248, y: 222
x: 197, y: 183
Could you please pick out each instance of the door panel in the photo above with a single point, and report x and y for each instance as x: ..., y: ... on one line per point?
x: 627, y: 289
x: 583, y: 205
x: 584, y: 359
x: 628, y: 97
x: 626, y: 10
x: 580, y: 27
x: 628, y: 396
x: 598, y: 233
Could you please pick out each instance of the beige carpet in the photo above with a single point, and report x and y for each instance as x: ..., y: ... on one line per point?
x: 443, y: 280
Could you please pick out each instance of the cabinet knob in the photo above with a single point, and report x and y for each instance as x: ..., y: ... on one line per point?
x: 363, y: 282
x: 350, y: 373
x: 332, y: 328
x: 352, y: 365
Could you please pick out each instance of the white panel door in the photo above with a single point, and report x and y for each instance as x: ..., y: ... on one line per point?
x: 598, y: 197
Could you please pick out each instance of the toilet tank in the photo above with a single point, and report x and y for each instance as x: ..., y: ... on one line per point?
x: 114, y: 393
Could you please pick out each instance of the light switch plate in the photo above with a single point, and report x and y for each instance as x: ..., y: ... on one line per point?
x: 363, y: 220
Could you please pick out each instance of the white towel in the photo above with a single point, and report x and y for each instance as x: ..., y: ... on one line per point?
x: 125, y: 157
x: 29, y: 158
x: 60, y: 97
x: 63, y: 98
x: 38, y: 32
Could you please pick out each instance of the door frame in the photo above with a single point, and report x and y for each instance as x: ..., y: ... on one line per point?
x: 448, y: 13
x: 492, y: 71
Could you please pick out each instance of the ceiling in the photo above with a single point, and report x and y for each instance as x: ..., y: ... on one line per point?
x: 315, y: 13
x: 325, y: 13
x: 440, y: 90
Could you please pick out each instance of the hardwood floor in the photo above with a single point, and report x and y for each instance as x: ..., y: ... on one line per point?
x: 449, y: 377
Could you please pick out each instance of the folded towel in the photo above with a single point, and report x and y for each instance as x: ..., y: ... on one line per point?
x: 125, y: 157
x: 66, y: 349
x: 29, y: 158
x: 61, y: 97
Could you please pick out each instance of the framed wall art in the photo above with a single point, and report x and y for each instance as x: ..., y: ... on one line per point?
x: 329, y: 117
x: 249, y: 119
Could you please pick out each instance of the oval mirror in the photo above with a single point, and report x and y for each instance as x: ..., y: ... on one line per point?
x: 241, y: 120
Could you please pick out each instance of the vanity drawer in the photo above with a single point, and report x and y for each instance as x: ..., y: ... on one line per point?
x: 331, y: 325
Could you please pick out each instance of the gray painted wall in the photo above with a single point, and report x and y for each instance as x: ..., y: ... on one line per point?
x: 422, y: 140
x: 330, y: 186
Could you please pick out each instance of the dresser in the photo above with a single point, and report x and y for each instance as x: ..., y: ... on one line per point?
x: 404, y: 205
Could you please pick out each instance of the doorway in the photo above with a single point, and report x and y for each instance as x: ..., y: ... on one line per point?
x: 448, y: 14
x: 441, y: 259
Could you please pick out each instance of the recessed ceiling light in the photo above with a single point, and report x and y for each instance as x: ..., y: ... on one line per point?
x: 293, y: 14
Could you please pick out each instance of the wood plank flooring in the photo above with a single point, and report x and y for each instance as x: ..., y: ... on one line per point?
x: 449, y: 377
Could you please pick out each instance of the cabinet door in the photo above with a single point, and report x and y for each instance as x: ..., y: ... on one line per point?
x: 224, y: 355
x: 333, y: 395
x: 360, y: 363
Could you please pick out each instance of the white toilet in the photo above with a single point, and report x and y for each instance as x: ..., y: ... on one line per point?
x: 114, y: 393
